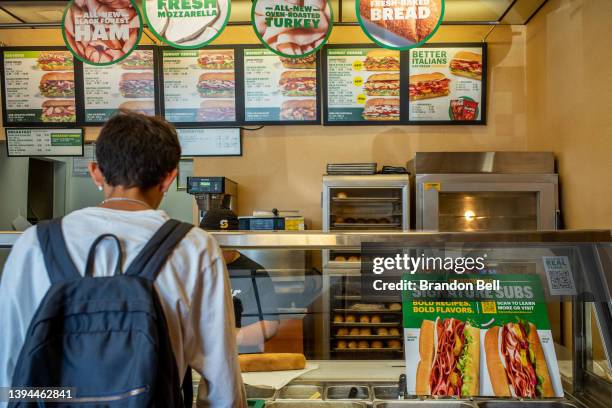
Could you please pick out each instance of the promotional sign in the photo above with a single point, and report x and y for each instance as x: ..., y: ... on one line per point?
x: 210, y: 142
x: 186, y: 24
x: 492, y: 341
x: 363, y: 85
x: 292, y: 28
x: 24, y: 142
x: 446, y: 84
x: 199, y: 85
x: 279, y: 89
x: 38, y: 87
x: 129, y: 85
x: 399, y: 24
x: 101, y: 32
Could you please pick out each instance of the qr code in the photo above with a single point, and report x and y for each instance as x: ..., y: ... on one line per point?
x: 489, y: 307
x: 559, y: 275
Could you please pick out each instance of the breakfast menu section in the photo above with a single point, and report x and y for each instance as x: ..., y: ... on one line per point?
x: 129, y: 85
x: 199, y: 85
x: 44, y: 142
x: 363, y: 84
x: 39, y: 87
x: 278, y: 89
x: 446, y: 84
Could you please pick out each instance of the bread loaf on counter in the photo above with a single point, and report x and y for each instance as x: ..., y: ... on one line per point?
x: 271, y: 362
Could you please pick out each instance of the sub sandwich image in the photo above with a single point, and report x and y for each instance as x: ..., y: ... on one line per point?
x: 425, y: 86
x: 467, y: 64
x: 516, y: 362
x: 399, y: 23
x: 216, y: 85
x: 299, y: 109
x: 137, y: 85
x: 57, y: 85
x: 308, y: 62
x: 382, y: 85
x: 298, y: 83
x: 55, y: 61
x: 382, y: 109
x: 138, y: 59
x: 382, y: 60
x: 58, y: 111
x: 144, y: 107
x: 449, y: 363
x: 216, y: 59
x: 217, y: 110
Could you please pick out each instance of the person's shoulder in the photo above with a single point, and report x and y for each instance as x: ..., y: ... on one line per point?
x: 198, y: 241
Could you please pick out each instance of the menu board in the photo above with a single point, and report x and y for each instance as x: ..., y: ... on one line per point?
x: 38, y: 86
x: 210, y: 142
x: 22, y: 142
x: 447, y: 84
x: 128, y: 85
x: 199, y: 85
x: 279, y: 90
x: 493, y: 341
x: 363, y: 85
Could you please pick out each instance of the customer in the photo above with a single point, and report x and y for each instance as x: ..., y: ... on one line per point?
x: 255, y: 306
x: 137, y: 157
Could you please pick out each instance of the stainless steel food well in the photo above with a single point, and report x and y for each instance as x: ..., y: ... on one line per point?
x: 423, y: 404
x: 316, y: 404
x: 524, y: 404
x: 343, y: 392
x: 259, y: 392
x: 301, y: 392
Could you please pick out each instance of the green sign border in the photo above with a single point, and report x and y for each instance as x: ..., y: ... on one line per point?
x: 86, y: 61
x: 331, y: 26
x: 185, y: 47
x: 415, y: 45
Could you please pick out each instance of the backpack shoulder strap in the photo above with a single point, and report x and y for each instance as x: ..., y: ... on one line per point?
x: 152, y: 257
x: 60, y: 266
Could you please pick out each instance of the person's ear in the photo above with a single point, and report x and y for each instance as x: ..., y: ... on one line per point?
x: 96, y: 175
x: 169, y: 179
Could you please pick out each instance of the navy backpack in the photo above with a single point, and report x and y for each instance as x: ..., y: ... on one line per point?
x: 105, y: 337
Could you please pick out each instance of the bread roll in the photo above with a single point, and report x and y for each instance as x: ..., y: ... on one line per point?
x: 271, y: 362
x: 353, y: 258
x: 363, y: 344
x: 342, y: 332
x: 352, y: 344
x: 382, y: 331
x: 338, y: 319
x: 339, y: 220
x: 354, y: 331
x: 341, y: 194
x: 395, y: 307
x: 364, y: 331
x: 364, y: 319
x: 341, y: 344
x: 394, y: 344
x: 340, y: 258
x: 375, y: 319
x: 377, y: 344
x: 394, y: 331
x: 350, y: 319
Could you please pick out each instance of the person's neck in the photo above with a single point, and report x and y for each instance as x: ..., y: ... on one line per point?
x: 129, y: 199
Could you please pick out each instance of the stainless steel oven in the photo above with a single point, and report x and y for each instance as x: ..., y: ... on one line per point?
x: 485, y: 191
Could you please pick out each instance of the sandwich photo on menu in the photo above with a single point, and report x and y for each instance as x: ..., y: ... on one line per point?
x: 138, y: 59
x: 382, y: 85
x: 216, y: 59
x: 217, y: 110
x: 382, y: 60
x: 449, y: 362
x: 58, y: 111
x: 299, y: 109
x: 144, y: 107
x: 425, y: 86
x: 57, y: 85
x: 298, y: 83
x: 467, y: 64
x: 412, y: 30
x: 308, y: 62
x: 381, y: 109
x: 516, y: 362
x: 216, y: 85
x: 137, y: 85
x: 55, y: 61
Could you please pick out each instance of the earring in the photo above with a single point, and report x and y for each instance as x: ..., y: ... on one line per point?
x: 100, y: 188
x: 165, y: 193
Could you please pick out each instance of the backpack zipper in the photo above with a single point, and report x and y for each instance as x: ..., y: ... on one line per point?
x: 109, y: 398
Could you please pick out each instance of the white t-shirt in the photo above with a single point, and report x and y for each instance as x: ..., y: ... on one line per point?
x: 193, y: 287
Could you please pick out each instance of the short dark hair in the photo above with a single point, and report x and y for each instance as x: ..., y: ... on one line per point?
x: 135, y: 150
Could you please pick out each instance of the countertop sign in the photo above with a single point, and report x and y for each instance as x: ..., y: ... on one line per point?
x: 101, y: 33
x: 187, y: 24
x: 400, y: 24
x: 292, y: 28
